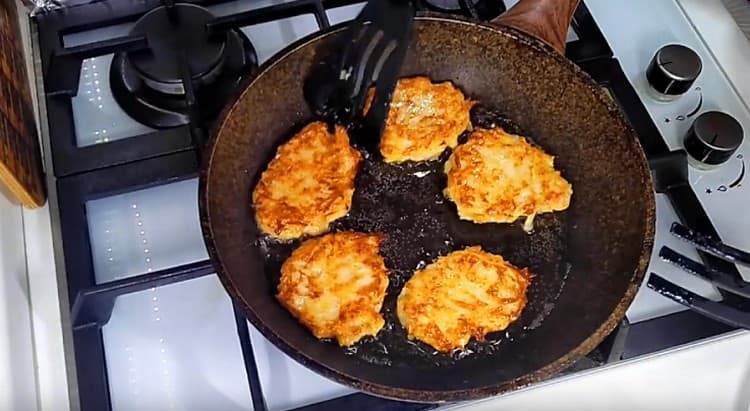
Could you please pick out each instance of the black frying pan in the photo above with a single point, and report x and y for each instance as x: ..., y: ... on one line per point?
x: 589, y: 260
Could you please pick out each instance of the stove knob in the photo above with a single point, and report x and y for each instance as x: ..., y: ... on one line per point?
x: 672, y: 71
x: 712, y: 139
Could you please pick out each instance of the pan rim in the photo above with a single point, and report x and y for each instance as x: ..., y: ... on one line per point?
x: 435, y: 396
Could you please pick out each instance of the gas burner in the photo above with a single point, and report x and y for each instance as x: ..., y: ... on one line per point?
x: 478, y: 9
x: 148, y: 84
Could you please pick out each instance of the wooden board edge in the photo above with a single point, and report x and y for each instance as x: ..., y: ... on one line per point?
x: 26, y: 198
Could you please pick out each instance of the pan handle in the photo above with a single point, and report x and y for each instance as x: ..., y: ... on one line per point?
x: 547, y: 20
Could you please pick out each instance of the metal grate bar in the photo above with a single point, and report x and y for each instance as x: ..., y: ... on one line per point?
x: 100, y: 48
x: 197, y: 132
x: 320, y: 15
x: 67, y: 62
x: 251, y: 368
x: 262, y: 15
x: 93, y: 306
x: 719, y: 311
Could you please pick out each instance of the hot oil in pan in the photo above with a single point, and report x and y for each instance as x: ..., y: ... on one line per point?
x: 406, y: 203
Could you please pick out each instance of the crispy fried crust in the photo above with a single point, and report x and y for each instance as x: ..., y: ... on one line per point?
x: 496, y: 177
x: 308, y: 185
x: 465, y: 294
x: 424, y: 119
x: 335, y: 286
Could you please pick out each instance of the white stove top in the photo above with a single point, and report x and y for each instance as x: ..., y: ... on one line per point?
x: 175, y: 347
x: 155, y: 357
x: 634, y: 45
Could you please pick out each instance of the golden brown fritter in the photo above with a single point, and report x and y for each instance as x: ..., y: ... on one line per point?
x: 468, y: 293
x: 424, y: 119
x: 308, y: 185
x: 498, y: 177
x: 335, y: 286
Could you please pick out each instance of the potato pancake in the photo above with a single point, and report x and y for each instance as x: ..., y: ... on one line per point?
x: 308, y: 184
x: 468, y: 293
x: 496, y: 177
x: 424, y: 119
x: 335, y: 286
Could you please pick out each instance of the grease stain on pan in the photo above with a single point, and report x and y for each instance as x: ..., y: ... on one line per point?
x: 406, y: 203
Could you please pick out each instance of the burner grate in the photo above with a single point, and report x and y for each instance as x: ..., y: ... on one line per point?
x: 162, y: 86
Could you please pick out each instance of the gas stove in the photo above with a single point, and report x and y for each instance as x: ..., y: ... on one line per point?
x: 126, y: 113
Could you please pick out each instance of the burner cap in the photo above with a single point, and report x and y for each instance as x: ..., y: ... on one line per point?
x: 168, y: 33
x: 148, y: 84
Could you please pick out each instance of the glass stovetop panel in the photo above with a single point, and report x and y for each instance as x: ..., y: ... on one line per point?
x: 145, y: 230
x: 342, y: 14
x: 176, y: 348
x: 97, y: 116
x: 166, y: 217
x: 270, y: 38
x: 286, y: 383
x: 238, y: 6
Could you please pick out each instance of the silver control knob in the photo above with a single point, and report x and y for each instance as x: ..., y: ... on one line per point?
x: 712, y: 139
x: 673, y: 70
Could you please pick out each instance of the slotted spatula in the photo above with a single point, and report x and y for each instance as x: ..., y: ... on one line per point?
x: 372, y: 53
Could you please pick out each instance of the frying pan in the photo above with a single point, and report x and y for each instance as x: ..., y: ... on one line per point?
x: 589, y: 260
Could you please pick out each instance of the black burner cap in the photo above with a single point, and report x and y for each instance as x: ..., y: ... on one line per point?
x: 169, y: 31
x: 148, y: 84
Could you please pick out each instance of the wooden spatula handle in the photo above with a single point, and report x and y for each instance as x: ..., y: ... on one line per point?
x: 547, y: 20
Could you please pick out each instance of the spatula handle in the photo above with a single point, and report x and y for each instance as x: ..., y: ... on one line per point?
x: 547, y: 20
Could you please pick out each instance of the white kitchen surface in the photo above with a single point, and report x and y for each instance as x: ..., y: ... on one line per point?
x: 17, y: 367
x: 705, y: 377
x: 56, y: 378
